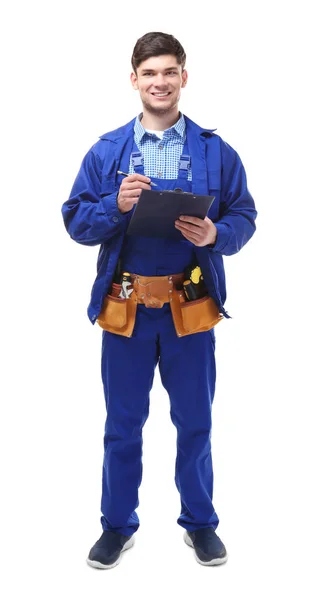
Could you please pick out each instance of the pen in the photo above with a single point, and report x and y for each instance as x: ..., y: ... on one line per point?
x: 127, y: 175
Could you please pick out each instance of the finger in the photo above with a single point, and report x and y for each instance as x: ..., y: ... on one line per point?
x: 135, y: 185
x: 194, y: 220
x: 195, y: 239
x: 190, y: 228
x: 131, y: 193
x: 192, y: 237
x: 137, y: 177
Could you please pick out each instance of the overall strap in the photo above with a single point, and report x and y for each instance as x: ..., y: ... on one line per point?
x: 137, y: 160
x: 183, y: 165
x: 206, y: 157
x: 184, y: 162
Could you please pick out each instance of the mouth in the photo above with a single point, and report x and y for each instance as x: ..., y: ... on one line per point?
x: 160, y: 94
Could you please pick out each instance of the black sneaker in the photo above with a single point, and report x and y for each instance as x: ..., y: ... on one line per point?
x: 106, y: 552
x: 209, y: 549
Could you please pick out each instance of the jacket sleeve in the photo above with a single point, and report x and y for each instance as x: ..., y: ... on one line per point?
x: 90, y: 218
x: 236, y: 224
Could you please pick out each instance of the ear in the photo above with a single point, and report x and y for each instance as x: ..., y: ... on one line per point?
x: 133, y: 78
x: 184, y: 77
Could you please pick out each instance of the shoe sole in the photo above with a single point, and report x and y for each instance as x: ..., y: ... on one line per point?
x: 210, y: 563
x: 97, y: 565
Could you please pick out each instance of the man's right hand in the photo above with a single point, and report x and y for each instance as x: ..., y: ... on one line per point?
x: 130, y: 191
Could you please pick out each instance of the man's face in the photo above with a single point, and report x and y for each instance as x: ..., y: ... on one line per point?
x: 159, y: 80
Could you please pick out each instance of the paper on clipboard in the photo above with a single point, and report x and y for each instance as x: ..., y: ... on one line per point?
x: 156, y: 212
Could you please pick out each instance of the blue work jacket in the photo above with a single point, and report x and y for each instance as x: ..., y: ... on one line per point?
x: 91, y: 215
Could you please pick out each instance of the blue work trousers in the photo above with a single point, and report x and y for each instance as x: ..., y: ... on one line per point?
x: 187, y: 370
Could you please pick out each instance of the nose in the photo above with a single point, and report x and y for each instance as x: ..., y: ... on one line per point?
x: 159, y: 80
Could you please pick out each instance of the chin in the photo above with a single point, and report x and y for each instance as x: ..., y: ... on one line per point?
x: 156, y: 108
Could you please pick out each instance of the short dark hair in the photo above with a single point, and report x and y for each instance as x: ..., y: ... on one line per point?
x: 157, y: 43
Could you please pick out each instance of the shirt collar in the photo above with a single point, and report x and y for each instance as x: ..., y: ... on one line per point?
x: 177, y: 130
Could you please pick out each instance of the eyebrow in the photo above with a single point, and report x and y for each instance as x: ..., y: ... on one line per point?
x: 167, y: 69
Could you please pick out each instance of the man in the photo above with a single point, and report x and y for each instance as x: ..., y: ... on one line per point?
x: 163, y: 147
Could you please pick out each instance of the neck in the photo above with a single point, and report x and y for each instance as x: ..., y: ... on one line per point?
x: 159, y: 122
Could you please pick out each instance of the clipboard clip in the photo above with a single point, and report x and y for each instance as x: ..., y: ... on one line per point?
x: 178, y: 191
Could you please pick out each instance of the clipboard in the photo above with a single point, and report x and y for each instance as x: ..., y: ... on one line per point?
x: 156, y: 212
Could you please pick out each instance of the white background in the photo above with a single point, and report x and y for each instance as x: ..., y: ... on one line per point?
x: 252, y: 73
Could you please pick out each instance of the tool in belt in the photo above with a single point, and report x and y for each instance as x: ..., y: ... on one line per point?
x: 193, y: 310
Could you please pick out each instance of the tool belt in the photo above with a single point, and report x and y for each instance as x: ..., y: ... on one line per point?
x: 155, y: 291
x: 118, y: 314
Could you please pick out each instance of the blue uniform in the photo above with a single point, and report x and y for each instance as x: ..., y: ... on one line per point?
x: 186, y: 364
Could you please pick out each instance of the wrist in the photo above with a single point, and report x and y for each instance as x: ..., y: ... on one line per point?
x: 213, y: 236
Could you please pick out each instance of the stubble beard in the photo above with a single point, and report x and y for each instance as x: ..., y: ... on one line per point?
x: 155, y: 110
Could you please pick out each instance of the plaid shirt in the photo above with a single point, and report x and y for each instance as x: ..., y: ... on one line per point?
x: 161, y: 155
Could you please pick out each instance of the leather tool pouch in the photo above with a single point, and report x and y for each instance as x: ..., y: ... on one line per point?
x: 193, y: 316
x: 153, y: 292
x: 118, y: 314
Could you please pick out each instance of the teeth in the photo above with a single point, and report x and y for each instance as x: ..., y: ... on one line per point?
x: 166, y: 94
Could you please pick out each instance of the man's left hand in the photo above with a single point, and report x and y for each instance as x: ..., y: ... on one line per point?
x: 198, y: 231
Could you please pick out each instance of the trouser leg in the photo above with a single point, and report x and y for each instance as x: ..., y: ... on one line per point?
x: 187, y: 368
x: 127, y: 372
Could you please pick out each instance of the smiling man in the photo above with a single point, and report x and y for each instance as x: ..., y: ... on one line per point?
x: 159, y: 80
x: 159, y: 299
